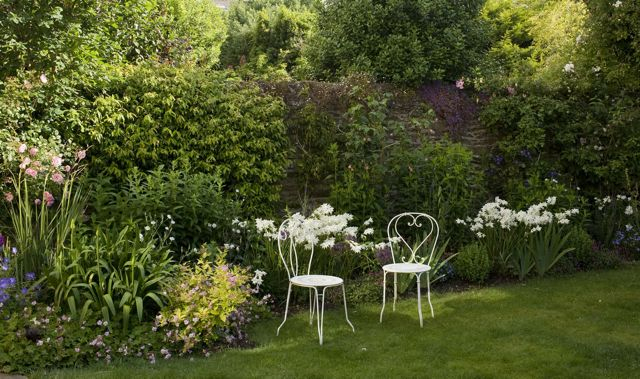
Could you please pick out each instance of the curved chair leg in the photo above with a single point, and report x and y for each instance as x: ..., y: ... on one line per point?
x: 429, y: 295
x: 384, y: 293
x: 286, y: 309
x: 419, y: 301
x: 311, y: 307
x: 395, y: 290
x: 346, y: 315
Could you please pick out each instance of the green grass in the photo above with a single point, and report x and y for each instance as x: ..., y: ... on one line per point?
x: 586, y: 325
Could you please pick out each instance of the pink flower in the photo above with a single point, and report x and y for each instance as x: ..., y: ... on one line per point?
x: 43, y: 79
x: 48, y: 197
x: 22, y: 148
x: 460, y: 83
x: 31, y: 172
x: 67, y: 168
x: 57, y: 178
x: 8, y: 196
x: 33, y: 151
x: 37, y: 201
x: 56, y: 161
x: 81, y: 154
x: 25, y: 163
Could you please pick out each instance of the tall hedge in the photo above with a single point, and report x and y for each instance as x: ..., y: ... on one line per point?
x: 190, y: 118
x: 403, y: 41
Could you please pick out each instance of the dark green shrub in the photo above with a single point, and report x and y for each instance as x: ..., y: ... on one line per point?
x: 438, y: 178
x: 473, y: 263
x: 366, y: 289
x: 193, y: 120
x: 404, y: 41
x: 271, y: 29
x: 583, y: 256
x: 589, y: 141
x: 195, y: 201
x: 195, y: 31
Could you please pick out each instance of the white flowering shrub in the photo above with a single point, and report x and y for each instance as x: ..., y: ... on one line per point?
x: 522, y: 240
x: 339, y: 248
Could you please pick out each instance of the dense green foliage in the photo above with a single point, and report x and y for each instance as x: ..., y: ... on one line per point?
x: 402, y: 41
x: 472, y: 263
x: 266, y: 32
x: 566, y: 76
x: 189, y: 119
x: 59, y: 38
x: 113, y: 275
x: 199, y: 210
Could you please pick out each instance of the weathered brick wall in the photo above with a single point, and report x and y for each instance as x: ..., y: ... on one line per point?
x: 334, y: 99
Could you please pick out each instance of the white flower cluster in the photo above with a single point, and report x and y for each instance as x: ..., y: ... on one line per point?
x: 497, y: 214
x: 322, y: 228
x: 602, y: 203
x: 569, y: 68
x: 240, y: 224
x: 257, y: 278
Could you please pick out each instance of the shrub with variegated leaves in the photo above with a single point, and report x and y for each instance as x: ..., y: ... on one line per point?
x: 203, y: 302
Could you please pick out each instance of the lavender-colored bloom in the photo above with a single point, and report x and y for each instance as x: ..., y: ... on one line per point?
x: 384, y: 255
x: 525, y: 153
x: 5, y: 264
x: 339, y: 247
x: 553, y: 174
x: 2, y: 240
x: 24, y: 290
x: 7, y: 282
x: 14, y: 250
x: 30, y: 276
x: 619, y: 238
x: 498, y: 159
x: 3, y: 297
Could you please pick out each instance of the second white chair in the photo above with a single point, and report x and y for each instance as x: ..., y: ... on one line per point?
x: 409, y: 260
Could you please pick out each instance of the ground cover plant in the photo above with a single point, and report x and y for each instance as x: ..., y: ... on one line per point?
x: 572, y: 324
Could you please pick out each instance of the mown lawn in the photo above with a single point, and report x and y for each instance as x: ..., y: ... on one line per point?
x: 584, y: 325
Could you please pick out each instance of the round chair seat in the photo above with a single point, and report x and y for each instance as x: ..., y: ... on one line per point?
x: 406, y: 267
x: 316, y: 280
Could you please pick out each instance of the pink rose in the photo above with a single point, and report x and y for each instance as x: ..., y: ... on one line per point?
x: 8, y: 196
x: 22, y: 148
x: 43, y: 79
x: 33, y: 151
x: 31, y: 172
x: 48, y: 197
x: 81, y: 154
x: 57, y: 178
x: 67, y: 168
x: 56, y: 161
x: 460, y: 83
x: 25, y: 163
x: 37, y: 201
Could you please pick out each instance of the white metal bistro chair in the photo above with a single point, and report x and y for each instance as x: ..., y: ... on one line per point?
x: 317, y: 284
x: 409, y: 260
